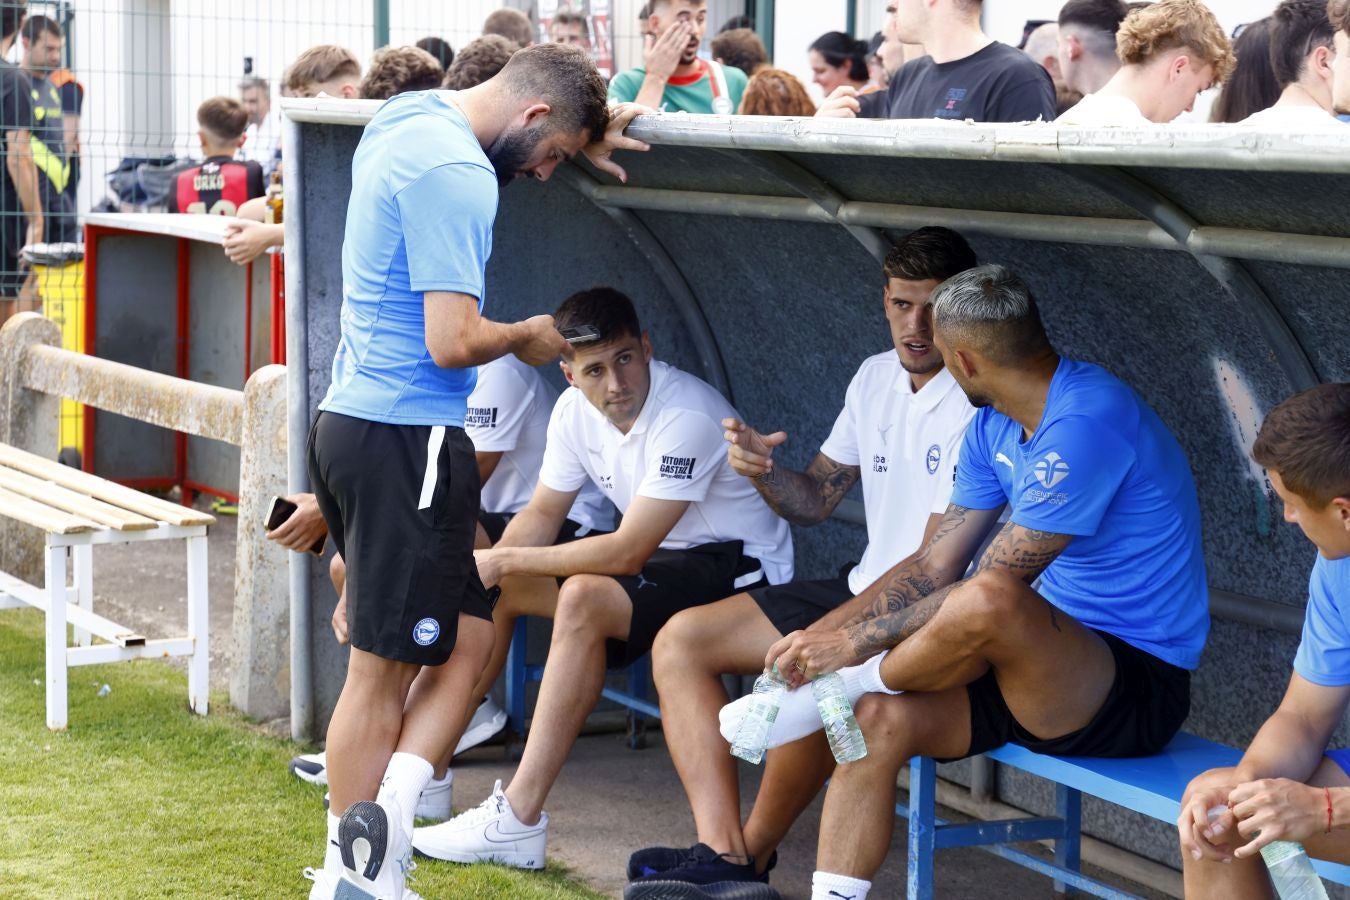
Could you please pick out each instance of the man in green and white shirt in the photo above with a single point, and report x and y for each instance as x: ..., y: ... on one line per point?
x: 673, y: 78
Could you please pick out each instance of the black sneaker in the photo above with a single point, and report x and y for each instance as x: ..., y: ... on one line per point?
x: 687, y: 890
x: 655, y: 860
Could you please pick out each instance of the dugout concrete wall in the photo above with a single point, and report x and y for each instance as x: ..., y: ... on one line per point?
x: 1203, y: 265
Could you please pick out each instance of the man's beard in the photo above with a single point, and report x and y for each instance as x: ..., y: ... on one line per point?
x: 511, y: 150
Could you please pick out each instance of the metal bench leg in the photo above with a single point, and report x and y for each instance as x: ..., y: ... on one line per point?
x: 922, y: 828
x: 83, y: 559
x: 199, y: 682
x: 1069, y: 807
x: 515, y: 677
x: 56, y: 638
x: 639, y: 679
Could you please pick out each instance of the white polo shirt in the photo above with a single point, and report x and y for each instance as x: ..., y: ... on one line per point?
x: 508, y: 414
x: 906, y: 444
x: 674, y: 451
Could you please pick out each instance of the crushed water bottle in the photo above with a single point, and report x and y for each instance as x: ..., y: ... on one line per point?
x: 846, y: 738
x: 752, y: 737
x: 1291, y: 871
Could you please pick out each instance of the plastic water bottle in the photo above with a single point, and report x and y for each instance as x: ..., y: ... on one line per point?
x: 846, y: 738
x: 752, y: 737
x: 1291, y: 871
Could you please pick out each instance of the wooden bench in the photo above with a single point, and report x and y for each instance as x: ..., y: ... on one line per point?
x: 76, y: 510
x: 1151, y: 785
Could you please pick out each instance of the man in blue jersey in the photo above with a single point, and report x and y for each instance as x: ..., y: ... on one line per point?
x: 390, y: 465
x: 1104, y: 520
x: 1289, y: 786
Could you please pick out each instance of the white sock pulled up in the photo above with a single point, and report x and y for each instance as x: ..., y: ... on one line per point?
x: 404, y: 779
x: 332, y: 855
x: 797, y: 714
x: 828, y: 886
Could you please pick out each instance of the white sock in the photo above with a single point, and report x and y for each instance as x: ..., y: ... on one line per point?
x: 332, y: 856
x: 403, y: 780
x: 798, y: 715
x: 441, y: 782
x: 827, y: 886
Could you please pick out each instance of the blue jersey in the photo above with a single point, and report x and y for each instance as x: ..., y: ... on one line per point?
x: 1102, y: 467
x: 423, y: 200
x: 1324, y: 653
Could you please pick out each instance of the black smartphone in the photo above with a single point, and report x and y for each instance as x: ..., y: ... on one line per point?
x: 580, y: 334
x: 281, y: 510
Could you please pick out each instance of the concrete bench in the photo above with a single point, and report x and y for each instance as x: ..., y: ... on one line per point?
x: 1151, y: 785
x: 76, y: 510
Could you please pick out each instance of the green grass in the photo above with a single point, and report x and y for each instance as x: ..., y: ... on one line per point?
x: 140, y: 798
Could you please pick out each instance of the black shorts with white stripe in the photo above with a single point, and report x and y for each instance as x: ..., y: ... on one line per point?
x: 401, y: 502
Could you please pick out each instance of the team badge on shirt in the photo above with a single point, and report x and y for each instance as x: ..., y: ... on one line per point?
x: 426, y: 631
x: 480, y: 417
x: 1051, y: 470
x: 933, y: 459
x: 680, y: 468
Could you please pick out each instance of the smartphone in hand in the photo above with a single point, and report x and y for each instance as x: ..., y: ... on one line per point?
x: 281, y: 510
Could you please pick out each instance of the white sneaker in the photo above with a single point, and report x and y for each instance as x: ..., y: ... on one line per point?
x: 488, y: 719
x: 489, y: 833
x: 325, y: 883
x: 376, y: 853
x: 434, y: 801
x: 309, y: 767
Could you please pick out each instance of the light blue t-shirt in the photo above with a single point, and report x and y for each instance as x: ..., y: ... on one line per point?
x: 1102, y: 467
x: 1324, y: 653
x: 423, y: 200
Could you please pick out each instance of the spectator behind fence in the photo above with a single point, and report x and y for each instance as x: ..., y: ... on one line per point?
x: 893, y: 51
x: 735, y: 23
x: 672, y: 77
x: 426, y: 178
x: 1095, y: 660
x: 1170, y: 52
x: 742, y: 49
x: 72, y: 107
x: 901, y: 398
x: 1290, y: 785
x: 42, y: 38
x: 966, y: 74
x: 1303, y: 58
x: 644, y: 19
x: 1043, y: 46
x: 20, y: 194
x: 837, y: 59
x: 693, y: 531
x: 394, y: 70
x: 776, y: 92
x: 325, y: 69
x: 439, y: 48
x: 1252, y: 86
x: 877, y: 73
x: 262, y: 138
x: 572, y: 28
x: 479, y: 60
x: 1087, y: 43
x: 1339, y: 10
x: 511, y: 24
x: 221, y: 184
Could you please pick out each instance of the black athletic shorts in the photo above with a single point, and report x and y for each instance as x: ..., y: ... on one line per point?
x: 401, y: 502
x: 1148, y: 701
x: 793, y: 606
x: 495, y: 523
x: 675, y: 580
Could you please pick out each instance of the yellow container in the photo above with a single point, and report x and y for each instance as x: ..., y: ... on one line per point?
x: 62, y: 290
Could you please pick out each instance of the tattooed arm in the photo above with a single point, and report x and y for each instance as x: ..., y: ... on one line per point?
x: 803, y: 498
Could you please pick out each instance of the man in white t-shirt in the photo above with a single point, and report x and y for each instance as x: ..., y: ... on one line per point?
x: 693, y: 531
x: 262, y: 142
x: 898, y: 433
x: 1170, y: 51
x: 1303, y: 58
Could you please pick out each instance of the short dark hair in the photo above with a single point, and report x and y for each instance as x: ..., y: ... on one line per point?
x: 478, y: 60
x: 1297, y: 28
x: 1307, y: 440
x: 930, y: 253
x: 607, y: 310
x: 567, y: 17
x: 1252, y: 86
x: 1099, y: 15
x: 837, y: 48
x: 992, y: 310
x: 742, y: 49
x: 735, y: 23
x: 222, y: 118
x: 439, y: 48
x: 511, y: 24
x: 36, y: 26
x: 249, y: 82
x: 566, y: 79
x: 394, y: 70
x: 11, y: 16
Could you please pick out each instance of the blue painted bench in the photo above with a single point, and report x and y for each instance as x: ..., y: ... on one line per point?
x: 1151, y: 785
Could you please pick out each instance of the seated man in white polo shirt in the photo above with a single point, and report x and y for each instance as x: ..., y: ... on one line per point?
x: 693, y: 531
x: 899, y: 432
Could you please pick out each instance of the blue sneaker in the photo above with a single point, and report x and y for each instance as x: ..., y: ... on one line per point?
x: 687, y: 890
x: 657, y: 860
x: 702, y: 873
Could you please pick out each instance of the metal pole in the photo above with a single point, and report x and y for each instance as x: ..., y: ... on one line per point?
x: 764, y: 23
x: 851, y: 23
x: 381, y: 23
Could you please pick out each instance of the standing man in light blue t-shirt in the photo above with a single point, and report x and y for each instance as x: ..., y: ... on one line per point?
x: 1104, y: 521
x: 1289, y: 786
x: 391, y: 467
